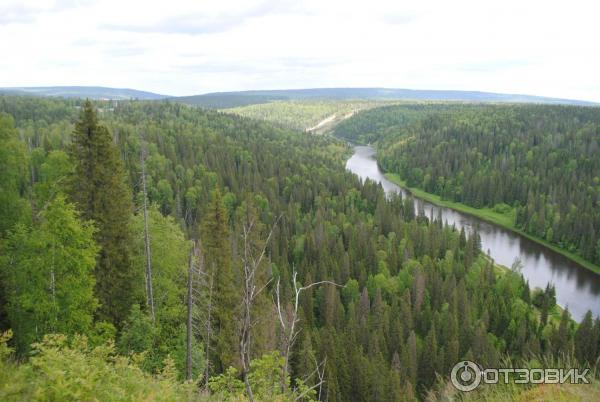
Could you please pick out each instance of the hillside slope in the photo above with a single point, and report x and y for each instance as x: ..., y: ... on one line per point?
x: 221, y: 100
x: 83, y: 92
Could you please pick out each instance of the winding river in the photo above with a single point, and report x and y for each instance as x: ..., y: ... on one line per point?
x: 576, y: 287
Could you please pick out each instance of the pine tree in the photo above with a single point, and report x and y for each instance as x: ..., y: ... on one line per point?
x: 100, y: 191
x: 585, y: 340
x: 561, y: 338
x: 431, y: 359
x: 409, y: 358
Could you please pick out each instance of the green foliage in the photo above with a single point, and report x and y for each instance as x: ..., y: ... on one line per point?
x: 216, y: 242
x: 165, y: 337
x: 539, y: 159
x: 100, y: 191
x: 369, y: 126
x: 265, y: 380
x: 302, y: 115
x: 53, y: 171
x: 102, y: 333
x: 351, y: 292
x: 13, y: 165
x: 227, y: 385
x: 502, y: 208
x: 63, y: 370
x: 419, y: 296
x: 170, y: 257
x: 138, y: 333
x: 48, y: 272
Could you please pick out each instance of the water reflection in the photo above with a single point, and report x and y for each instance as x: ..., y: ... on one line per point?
x: 576, y: 287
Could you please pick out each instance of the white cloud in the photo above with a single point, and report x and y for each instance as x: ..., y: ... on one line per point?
x: 188, y: 47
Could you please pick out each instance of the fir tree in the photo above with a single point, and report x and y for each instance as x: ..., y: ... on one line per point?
x: 215, y: 238
x: 586, y: 341
x: 101, y: 193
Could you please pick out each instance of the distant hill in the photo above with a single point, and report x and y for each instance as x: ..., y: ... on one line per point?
x: 83, y: 92
x: 223, y: 100
x: 226, y: 100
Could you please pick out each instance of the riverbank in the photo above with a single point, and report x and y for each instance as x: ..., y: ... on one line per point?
x: 489, y: 215
x: 555, y: 313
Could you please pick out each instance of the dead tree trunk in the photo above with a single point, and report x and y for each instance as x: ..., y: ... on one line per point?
x: 149, y: 287
x: 251, y: 262
x: 199, y: 309
x: 288, y: 326
x: 208, y: 325
x: 190, y: 314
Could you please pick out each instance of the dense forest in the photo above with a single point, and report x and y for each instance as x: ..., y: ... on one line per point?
x: 143, y: 244
x: 542, y: 162
x: 225, y: 100
x: 303, y: 115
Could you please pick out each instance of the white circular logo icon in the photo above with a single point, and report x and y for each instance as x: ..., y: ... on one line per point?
x: 465, y: 376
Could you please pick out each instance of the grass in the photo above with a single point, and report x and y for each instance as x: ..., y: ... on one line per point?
x: 541, y: 392
x: 512, y: 391
x: 489, y: 215
x: 562, y: 392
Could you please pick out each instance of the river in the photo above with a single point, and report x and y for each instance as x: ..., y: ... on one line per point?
x: 576, y: 287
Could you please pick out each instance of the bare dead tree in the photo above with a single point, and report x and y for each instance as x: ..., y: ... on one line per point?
x: 199, y: 309
x: 289, y: 329
x: 149, y: 287
x: 190, y: 313
x: 319, y: 373
x: 53, y: 285
x: 251, y: 262
x: 209, y: 284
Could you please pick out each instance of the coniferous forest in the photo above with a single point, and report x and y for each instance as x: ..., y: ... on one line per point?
x: 152, y: 250
x: 539, y: 162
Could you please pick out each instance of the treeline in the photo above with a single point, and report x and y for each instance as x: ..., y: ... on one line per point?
x: 388, y: 300
x: 373, y: 125
x: 540, y: 160
x: 302, y: 114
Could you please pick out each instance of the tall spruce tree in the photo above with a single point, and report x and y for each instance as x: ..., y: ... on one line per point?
x: 99, y: 188
x: 217, y: 248
x: 586, y: 341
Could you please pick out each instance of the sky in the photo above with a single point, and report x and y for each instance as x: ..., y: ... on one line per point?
x: 173, y: 47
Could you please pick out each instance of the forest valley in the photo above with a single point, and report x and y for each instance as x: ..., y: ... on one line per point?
x: 152, y: 250
x: 538, y: 165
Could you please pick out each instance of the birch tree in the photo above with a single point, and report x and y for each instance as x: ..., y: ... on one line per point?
x: 48, y: 270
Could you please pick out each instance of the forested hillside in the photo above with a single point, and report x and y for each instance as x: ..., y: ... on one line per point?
x: 259, y: 262
x: 221, y: 100
x: 83, y: 92
x: 302, y: 115
x: 541, y: 161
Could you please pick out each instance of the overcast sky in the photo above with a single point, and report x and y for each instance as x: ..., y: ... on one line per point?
x: 190, y: 47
